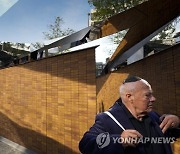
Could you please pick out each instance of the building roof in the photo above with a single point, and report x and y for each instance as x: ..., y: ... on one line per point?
x: 5, y: 58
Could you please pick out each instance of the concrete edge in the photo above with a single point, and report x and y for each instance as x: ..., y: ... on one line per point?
x: 16, y: 146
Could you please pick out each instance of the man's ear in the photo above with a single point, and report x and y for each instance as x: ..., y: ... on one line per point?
x: 129, y: 97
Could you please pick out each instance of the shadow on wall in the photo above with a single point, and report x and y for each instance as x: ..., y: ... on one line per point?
x: 43, y: 95
x: 31, y: 139
x: 107, y: 88
x: 161, y: 70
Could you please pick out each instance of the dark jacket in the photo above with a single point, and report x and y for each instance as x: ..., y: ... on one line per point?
x: 103, y: 124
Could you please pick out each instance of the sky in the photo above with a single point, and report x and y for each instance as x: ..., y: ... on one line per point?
x: 5, y: 5
x: 26, y: 20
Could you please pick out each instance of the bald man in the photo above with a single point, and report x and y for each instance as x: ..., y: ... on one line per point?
x: 130, y: 126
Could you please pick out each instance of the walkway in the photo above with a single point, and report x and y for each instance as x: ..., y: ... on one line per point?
x: 9, y: 147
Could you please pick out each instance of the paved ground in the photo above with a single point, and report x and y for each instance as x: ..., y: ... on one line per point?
x: 9, y: 147
x: 6, y: 149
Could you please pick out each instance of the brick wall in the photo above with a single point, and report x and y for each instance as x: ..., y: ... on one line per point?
x: 47, y: 105
x: 161, y: 70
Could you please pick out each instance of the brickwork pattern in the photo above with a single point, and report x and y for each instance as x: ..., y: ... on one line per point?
x: 47, y: 105
x: 161, y: 70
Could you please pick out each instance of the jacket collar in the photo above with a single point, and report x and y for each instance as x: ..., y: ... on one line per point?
x: 118, y: 112
x: 120, y: 115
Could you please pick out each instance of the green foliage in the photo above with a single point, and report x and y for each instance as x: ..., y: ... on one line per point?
x: 55, y: 30
x: 117, y: 38
x: 13, y: 48
x: 165, y: 34
x: 108, y: 8
x: 37, y: 45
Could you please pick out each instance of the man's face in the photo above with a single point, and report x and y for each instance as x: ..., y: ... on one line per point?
x: 142, y: 98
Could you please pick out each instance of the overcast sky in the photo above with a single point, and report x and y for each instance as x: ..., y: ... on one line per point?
x: 26, y: 20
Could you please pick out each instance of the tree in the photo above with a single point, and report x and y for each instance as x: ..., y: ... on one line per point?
x: 107, y: 8
x: 13, y: 48
x: 55, y: 30
x: 166, y: 33
x: 37, y: 45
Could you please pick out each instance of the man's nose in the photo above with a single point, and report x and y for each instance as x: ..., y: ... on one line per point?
x: 152, y: 99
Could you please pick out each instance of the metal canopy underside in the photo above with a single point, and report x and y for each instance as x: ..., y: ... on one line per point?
x: 143, y: 21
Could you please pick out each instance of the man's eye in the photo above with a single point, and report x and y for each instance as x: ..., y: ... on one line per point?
x: 148, y: 95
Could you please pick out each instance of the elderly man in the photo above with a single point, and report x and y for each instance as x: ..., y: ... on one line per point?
x: 130, y: 126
